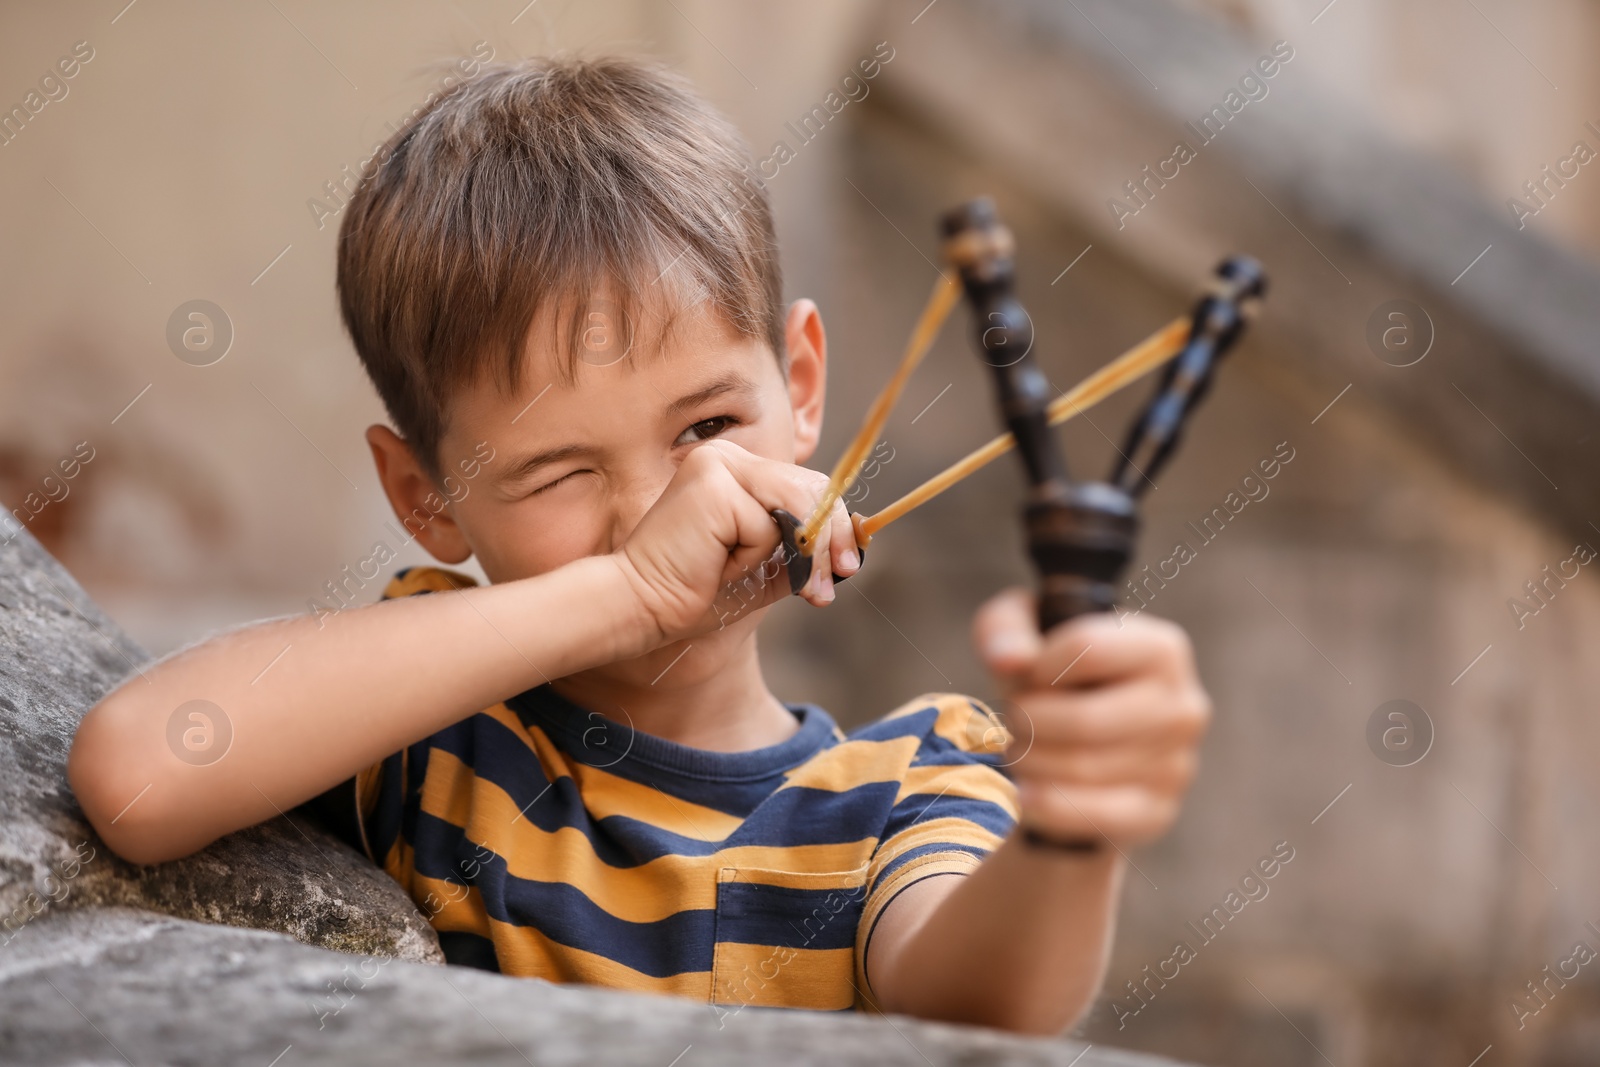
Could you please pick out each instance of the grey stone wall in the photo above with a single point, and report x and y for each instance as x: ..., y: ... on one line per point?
x: 61, y: 655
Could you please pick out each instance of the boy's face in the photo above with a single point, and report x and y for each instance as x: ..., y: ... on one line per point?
x: 575, y: 466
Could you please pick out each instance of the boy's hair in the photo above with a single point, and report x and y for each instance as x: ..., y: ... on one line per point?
x: 547, y: 188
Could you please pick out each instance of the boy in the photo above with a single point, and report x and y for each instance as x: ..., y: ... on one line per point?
x: 567, y: 293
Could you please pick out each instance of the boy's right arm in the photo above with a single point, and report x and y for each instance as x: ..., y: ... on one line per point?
x: 310, y: 705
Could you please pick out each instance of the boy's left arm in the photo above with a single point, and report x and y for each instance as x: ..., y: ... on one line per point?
x: 1107, y: 715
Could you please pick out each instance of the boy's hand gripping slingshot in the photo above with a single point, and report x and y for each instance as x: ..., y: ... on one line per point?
x: 1080, y: 534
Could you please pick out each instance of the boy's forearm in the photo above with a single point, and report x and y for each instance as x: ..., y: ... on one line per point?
x: 309, y: 702
x: 1021, y: 943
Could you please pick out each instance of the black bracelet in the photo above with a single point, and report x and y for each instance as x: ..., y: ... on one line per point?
x: 1081, y: 844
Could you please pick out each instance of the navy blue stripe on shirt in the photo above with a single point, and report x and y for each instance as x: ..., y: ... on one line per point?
x: 642, y: 759
x: 932, y: 847
x: 913, y: 724
x: 756, y: 914
x: 801, y: 815
x: 384, y: 826
x: 465, y: 949
x: 672, y: 945
x: 925, y: 807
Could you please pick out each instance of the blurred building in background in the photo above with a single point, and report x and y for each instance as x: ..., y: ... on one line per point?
x: 1425, y: 536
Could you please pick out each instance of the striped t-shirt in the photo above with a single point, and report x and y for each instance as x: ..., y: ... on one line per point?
x: 545, y: 840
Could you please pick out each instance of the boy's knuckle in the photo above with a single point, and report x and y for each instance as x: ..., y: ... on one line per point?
x: 1163, y: 812
x: 1182, y: 765
x: 1062, y: 766
x: 698, y: 462
x: 716, y: 477
x: 1170, y: 638
x: 1194, y: 711
x: 714, y: 453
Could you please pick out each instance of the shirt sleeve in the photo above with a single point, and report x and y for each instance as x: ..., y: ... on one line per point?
x: 367, y: 811
x: 954, y: 807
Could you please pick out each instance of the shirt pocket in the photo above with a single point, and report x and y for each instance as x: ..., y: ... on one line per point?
x: 786, y: 939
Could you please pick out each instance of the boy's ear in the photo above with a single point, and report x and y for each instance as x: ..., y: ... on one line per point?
x: 808, y: 374
x: 419, y: 505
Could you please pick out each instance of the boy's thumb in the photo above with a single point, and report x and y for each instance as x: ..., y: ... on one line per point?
x: 1006, y: 631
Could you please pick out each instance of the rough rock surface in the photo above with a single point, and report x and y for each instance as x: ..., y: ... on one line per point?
x: 58, y: 655
x: 113, y: 971
x: 160, y: 990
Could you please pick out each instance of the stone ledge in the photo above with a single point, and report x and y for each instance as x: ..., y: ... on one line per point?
x: 161, y: 990
x: 63, y: 654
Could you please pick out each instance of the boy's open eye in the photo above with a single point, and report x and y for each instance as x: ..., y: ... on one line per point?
x: 706, y: 429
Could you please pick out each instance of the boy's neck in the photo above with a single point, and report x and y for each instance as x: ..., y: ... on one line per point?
x: 731, y: 710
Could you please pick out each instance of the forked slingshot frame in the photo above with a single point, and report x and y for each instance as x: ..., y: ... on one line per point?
x: 1080, y: 535
x: 980, y: 248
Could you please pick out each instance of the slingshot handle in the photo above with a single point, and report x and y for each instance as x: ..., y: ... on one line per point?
x: 1079, y: 536
x: 1080, y: 542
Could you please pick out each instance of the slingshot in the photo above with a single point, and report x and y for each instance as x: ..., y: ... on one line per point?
x: 1080, y: 534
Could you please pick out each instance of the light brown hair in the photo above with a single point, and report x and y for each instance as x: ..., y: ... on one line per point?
x: 530, y: 192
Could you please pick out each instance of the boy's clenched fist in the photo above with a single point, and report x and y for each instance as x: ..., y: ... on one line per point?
x: 1105, y: 714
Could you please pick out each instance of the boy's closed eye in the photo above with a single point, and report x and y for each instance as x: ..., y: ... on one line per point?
x: 703, y: 430
x: 565, y: 479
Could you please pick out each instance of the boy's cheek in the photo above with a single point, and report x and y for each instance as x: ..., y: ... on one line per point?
x: 513, y: 541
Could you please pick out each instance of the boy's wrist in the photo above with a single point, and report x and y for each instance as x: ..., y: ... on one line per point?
x: 635, y: 629
x: 1084, y: 846
x: 1037, y: 847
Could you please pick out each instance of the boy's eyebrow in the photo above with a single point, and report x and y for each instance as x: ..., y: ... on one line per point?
x: 728, y: 383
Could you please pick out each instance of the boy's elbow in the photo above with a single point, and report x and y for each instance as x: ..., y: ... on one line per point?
x: 114, y: 790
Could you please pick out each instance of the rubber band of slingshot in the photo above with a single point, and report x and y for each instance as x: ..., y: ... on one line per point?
x: 943, y: 299
x: 1126, y: 369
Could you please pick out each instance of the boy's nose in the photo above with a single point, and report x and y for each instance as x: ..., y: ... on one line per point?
x: 630, y: 504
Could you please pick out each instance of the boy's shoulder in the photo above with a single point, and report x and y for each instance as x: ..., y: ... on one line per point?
x: 414, y: 580
x: 955, y: 719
